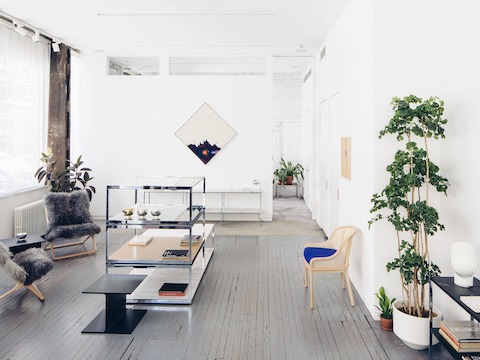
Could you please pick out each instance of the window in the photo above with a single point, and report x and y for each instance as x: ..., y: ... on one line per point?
x: 24, y: 78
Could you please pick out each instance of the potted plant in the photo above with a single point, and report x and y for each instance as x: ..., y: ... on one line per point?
x: 280, y: 176
x: 405, y: 203
x: 288, y: 171
x: 385, y: 306
x: 72, y: 177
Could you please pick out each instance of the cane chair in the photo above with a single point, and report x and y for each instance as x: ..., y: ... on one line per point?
x: 331, y: 256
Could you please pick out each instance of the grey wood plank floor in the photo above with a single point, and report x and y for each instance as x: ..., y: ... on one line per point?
x: 251, y: 304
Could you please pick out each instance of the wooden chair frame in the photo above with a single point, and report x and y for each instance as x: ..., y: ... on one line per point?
x: 336, y: 263
x: 52, y: 247
x: 32, y: 287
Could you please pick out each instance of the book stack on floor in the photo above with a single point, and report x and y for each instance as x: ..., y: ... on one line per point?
x: 463, y: 336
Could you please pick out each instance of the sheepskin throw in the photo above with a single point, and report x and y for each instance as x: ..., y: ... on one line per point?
x: 68, y: 215
x: 10, y: 267
x: 35, y: 262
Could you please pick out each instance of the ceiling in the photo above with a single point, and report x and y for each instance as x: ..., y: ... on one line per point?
x: 154, y: 27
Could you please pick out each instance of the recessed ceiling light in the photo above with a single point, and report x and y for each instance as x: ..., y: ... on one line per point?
x: 301, y: 48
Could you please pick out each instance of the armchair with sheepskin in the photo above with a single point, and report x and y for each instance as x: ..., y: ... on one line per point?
x: 25, y: 268
x: 68, y: 217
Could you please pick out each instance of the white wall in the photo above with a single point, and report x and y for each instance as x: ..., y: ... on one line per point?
x: 431, y: 54
x: 130, y: 124
x: 374, y: 54
x: 287, y: 117
x: 346, y: 92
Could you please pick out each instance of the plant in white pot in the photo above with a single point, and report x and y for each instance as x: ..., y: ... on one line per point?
x: 405, y: 203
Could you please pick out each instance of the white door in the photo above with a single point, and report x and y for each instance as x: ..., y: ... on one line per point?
x: 335, y: 117
x: 323, y: 145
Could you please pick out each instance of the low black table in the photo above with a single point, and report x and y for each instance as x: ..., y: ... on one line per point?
x: 116, y: 318
x: 16, y: 246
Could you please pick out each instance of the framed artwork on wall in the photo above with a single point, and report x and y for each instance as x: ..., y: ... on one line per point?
x: 205, y: 133
x: 346, y: 157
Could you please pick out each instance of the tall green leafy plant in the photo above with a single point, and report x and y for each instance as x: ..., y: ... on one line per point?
x: 73, y: 177
x: 405, y: 200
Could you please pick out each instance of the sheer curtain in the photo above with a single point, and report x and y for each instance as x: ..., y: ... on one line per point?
x: 24, y: 80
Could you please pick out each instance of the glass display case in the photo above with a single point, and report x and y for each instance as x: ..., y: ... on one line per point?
x: 158, y: 229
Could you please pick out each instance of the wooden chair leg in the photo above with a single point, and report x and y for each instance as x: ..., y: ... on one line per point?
x: 343, y: 280
x: 350, y: 293
x: 311, y: 287
x: 33, y: 288
x: 306, y: 276
x: 17, y: 286
x: 51, y: 246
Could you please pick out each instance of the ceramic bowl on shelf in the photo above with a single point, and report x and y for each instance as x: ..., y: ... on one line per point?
x: 141, y: 213
x: 21, y: 236
x: 127, y: 212
x: 155, y: 213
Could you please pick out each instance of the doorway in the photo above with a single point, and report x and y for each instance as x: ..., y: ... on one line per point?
x: 294, y: 133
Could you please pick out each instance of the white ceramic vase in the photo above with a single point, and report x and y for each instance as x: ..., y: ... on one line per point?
x: 464, y: 263
x: 412, y: 330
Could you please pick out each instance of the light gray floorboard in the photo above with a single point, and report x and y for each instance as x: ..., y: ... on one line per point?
x: 251, y: 304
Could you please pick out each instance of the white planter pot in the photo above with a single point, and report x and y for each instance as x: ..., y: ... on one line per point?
x: 412, y: 330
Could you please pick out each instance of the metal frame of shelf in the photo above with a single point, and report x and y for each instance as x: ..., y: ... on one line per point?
x: 447, y: 285
x: 175, y: 218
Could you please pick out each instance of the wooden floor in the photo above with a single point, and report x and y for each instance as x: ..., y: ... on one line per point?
x: 251, y: 304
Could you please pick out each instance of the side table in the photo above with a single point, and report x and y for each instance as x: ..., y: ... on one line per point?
x: 115, y: 318
x: 17, y: 246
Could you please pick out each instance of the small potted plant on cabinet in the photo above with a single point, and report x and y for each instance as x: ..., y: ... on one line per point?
x: 385, y: 306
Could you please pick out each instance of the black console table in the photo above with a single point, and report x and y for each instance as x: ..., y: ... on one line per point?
x: 116, y: 318
x: 16, y: 245
x: 448, y: 287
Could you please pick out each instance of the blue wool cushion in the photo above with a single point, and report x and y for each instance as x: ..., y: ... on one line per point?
x: 314, y: 252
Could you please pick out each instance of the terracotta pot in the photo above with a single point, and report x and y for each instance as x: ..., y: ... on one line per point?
x: 289, y: 180
x: 386, y: 324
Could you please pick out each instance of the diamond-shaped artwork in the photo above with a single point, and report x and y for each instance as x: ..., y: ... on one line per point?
x: 205, y: 133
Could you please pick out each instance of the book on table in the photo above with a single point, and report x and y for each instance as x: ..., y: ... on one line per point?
x: 186, y: 239
x: 173, y: 289
x: 464, y: 336
x: 174, y: 253
x: 473, y: 302
x: 140, y: 240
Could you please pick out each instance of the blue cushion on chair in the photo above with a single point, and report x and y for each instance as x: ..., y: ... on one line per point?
x: 314, y: 252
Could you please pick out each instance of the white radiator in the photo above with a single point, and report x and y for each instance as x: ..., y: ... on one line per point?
x: 30, y: 218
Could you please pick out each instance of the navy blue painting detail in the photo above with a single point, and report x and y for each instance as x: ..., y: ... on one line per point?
x: 204, y: 151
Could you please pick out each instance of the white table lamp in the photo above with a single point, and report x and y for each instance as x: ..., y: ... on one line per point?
x: 464, y: 263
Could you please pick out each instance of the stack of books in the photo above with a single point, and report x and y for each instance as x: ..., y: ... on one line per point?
x: 186, y: 239
x: 463, y: 336
x: 173, y: 289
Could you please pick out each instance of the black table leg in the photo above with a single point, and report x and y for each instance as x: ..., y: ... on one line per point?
x: 116, y: 318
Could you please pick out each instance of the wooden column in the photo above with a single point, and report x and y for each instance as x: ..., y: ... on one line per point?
x: 59, y: 106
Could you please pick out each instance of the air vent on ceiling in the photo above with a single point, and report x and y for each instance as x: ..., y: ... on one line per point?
x: 217, y: 65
